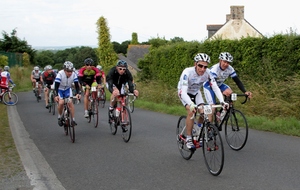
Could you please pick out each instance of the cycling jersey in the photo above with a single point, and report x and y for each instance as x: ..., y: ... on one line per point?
x: 86, y: 77
x: 36, y: 75
x: 190, y: 83
x: 48, y: 77
x: 113, y: 78
x: 221, y: 75
x: 5, y: 79
x: 63, y: 84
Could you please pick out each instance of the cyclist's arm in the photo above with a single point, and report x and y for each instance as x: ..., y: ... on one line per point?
x: 109, y: 80
x: 216, y: 89
x: 77, y: 87
x: 239, y: 83
x: 56, y: 85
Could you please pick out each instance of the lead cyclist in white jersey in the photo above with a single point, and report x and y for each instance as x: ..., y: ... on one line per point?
x: 220, y: 72
x: 63, y: 84
x: 191, y: 80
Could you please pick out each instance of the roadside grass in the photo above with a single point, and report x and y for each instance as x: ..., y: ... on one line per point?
x: 10, y: 163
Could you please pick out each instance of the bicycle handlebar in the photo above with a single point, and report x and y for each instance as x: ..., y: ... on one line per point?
x: 201, y: 107
x: 246, y: 97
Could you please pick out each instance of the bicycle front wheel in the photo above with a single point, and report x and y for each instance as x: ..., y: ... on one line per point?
x: 71, y: 131
x: 102, y: 99
x: 126, y: 124
x: 10, y: 98
x: 236, y: 130
x: 130, y: 103
x: 95, y: 113
x: 213, y: 150
x: 112, y: 123
x: 181, y: 139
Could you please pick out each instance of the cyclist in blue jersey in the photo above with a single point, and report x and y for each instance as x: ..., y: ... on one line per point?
x: 63, y: 84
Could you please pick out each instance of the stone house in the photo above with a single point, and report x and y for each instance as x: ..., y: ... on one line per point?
x: 235, y: 27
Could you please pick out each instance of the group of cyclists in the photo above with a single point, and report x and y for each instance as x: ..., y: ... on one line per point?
x: 212, y: 80
x: 82, y: 80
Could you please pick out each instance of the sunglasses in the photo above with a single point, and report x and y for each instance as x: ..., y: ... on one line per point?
x: 201, y: 66
x: 120, y: 68
x: 87, y: 64
x: 69, y: 71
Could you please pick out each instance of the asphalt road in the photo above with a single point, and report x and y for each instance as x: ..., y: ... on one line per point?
x: 150, y: 160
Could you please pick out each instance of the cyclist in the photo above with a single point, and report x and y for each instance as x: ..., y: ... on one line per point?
x: 86, y: 75
x: 220, y: 72
x: 63, y: 83
x: 5, y: 78
x: 190, y: 82
x: 48, y: 78
x: 116, y: 79
x: 36, y: 76
x: 102, y: 75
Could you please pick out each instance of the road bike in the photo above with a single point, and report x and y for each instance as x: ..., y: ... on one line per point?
x: 207, y: 136
x: 234, y: 122
x: 69, y: 129
x: 93, y: 107
x: 101, y: 97
x: 8, y: 97
x: 120, y: 116
x: 51, y: 101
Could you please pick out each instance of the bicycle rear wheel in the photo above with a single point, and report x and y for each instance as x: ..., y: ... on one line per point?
x: 126, y: 124
x: 213, y: 150
x: 236, y: 130
x: 10, y: 98
x: 181, y: 136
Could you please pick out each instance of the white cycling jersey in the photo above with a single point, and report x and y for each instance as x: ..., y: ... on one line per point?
x: 65, y: 82
x: 221, y: 75
x: 36, y: 75
x: 190, y: 83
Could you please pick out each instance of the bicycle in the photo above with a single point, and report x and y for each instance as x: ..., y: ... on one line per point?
x: 101, y: 97
x: 235, y: 123
x: 120, y: 116
x: 93, y: 107
x: 36, y: 92
x: 66, y: 120
x: 51, y: 101
x: 8, y: 97
x: 207, y: 137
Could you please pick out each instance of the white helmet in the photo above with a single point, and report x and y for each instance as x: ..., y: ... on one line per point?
x: 226, y: 56
x: 68, y: 66
x: 36, y: 68
x: 202, y: 57
x: 6, y: 68
x: 99, y: 67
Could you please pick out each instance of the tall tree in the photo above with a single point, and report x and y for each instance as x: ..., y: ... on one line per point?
x: 105, y: 52
x: 134, y: 40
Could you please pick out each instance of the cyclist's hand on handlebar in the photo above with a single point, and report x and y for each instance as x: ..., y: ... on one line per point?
x: 249, y: 94
x: 225, y: 105
x: 193, y: 107
x: 136, y: 93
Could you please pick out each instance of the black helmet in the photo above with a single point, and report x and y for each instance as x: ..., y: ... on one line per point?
x: 88, y: 61
x: 121, y: 63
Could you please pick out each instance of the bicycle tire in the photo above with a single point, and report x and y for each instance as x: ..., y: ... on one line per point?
x: 126, y: 123
x: 102, y: 99
x: 112, y: 124
x: 66, y: 128
x: 71, y: 130
x: 10, y: 98
x: 95, y: 113
x: 181, y: 136
x: 236, y: 130
x: 90, y: 111
x: 213, y: 150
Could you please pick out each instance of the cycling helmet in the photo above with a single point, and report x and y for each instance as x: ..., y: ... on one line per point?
x: 99, y: 67
x: 6, y: 68
x: 36, y: 68
x: 122, y: 63
x: 226, y: 56
x: 202, y: 57
x: 88, y: 61
x: 68, y: 66
x: 49, y: 67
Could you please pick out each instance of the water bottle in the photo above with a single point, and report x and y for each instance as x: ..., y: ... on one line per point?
x: 118, y: 111
x: 222, y: 115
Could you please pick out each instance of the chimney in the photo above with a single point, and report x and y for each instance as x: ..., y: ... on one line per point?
x: 236, y: 12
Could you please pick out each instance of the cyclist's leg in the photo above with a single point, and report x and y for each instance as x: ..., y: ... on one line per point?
x: 60, y: 106
x: 86, y: 100
x: 46, y: 95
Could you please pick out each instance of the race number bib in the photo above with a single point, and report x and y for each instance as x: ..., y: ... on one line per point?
x: 207, y: 109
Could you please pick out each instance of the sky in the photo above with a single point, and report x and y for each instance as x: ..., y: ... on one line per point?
x: 73, y: 22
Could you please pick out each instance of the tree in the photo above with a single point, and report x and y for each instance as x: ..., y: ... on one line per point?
x: 134, y: 40
x: 105, y: 52
x: 11, y: 43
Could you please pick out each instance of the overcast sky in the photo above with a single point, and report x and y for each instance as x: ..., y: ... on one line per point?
x: 73, y: 22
